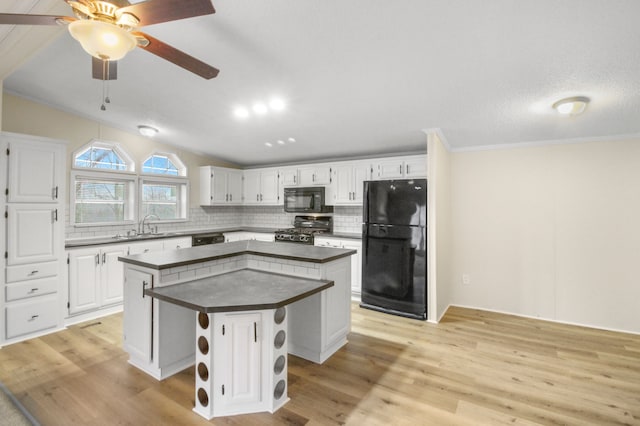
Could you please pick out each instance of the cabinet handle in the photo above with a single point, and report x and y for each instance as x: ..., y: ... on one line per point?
x: 146, y: 250
x: 104, y: 257
x: 55, y: 192
x: 257, y: 197
x: 255, y: 332
x: 226, y: 197
x: 33, y: 317
x: 55, y: 215
x: 260, y: 197
x: 144, y: 285
x: 33, y: 290
x: 230, y: 197
x: 35, y: 271
x: 400, y: 169
x: 98, y: 259
x: 295, y: 178
x: 407, y: 169
x: 178, y: 247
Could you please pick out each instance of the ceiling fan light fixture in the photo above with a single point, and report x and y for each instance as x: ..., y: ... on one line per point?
x: 571, y: 106
x: 147, y: 131
x: 102, y: 39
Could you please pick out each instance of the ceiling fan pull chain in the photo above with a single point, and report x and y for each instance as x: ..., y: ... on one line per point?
x: 105, y: 64
x: 103, y: 107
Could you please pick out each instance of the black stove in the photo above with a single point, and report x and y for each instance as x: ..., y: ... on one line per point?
x: 304, y: 229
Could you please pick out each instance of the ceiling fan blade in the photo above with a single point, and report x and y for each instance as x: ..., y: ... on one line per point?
x: 104, y: 70
x: 178, y: 57
x: 157, y: 11
x: 20, y: 19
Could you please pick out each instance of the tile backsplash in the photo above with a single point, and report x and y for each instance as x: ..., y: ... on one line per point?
x: 345, y: 220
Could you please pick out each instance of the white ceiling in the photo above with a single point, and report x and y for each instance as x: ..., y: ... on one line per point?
x: 362, y: 77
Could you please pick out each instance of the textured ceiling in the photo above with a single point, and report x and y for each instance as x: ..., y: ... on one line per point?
x: 363, y: 77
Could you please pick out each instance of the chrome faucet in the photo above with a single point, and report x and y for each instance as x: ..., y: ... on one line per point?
x: 141, y: 224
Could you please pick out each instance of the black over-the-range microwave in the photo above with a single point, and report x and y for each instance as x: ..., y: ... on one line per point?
x: 306, y: 200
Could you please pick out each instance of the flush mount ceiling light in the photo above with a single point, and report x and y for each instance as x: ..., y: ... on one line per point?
x: 260, y: 108
x: 147, y: 131
x: 571, y: 106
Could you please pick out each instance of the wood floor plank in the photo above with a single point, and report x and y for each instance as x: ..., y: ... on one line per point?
x: 474, y: 367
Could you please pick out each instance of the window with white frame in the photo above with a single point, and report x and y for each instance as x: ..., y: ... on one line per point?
x: 103, y: 185
x: 164, y: 187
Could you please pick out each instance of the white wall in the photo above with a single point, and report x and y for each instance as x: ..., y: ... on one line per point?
x: 550, y: 231
x: 439, y: 227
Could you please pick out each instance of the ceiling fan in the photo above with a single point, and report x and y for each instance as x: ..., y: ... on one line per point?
x: 107, y: 30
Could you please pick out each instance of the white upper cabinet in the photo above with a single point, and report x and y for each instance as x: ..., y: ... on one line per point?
x: 414, y: 166
x: 220, y: 185
x: 289, y: 177
x: 315, y: 175
x: 261, y: 187
x: 348, y: 179
x: 36, y: 170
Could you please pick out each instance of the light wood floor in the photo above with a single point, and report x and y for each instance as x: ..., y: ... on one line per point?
x: 473, y: 368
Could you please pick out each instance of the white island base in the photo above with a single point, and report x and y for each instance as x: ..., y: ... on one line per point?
x: 241, y: 362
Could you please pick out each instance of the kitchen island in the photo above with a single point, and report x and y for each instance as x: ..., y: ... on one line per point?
x: 159, y: 335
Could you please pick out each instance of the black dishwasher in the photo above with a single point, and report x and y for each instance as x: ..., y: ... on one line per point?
x: 204, y: 239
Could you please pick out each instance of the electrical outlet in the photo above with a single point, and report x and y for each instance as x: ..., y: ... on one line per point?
x: 466, y: 279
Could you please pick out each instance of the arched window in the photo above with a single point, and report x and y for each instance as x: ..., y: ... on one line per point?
x: 103, y: 187
x: 164, y: 195
x: 104, y: 156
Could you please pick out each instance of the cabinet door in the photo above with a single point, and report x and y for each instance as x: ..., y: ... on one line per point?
x: 32, y: 233
x: 36, y: 172
x: 251, y: 187
x: 390, y: 169
x: 176, y: 243
x: 219, y: 194
x: 111, y: 275
x: 361, y: 172
x: 206, y: 186
x: 84, y: 280
x: 137, y: 321
x: 269, y: 187
x: 343, y: 193
x: 415, y: 167
x: 242, y: 344
x: 315, y: 175
x: 356, y: 266
x: 289, y: 177
x: 234, y: 187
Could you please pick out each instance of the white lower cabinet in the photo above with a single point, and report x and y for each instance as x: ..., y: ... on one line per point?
x: 356, y: 259
x: 95, y: 278
x: 30, y: 316
x: 137, y: 321
x: 230, y: 237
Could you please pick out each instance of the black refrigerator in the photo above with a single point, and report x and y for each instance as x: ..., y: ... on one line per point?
x: 394, y: 247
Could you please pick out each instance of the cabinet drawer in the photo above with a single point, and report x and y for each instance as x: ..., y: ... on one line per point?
x: 32, y: 316
x: 31, y: 288
x: 31, y: 271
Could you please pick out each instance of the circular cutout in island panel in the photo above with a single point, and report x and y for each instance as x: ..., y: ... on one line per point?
x: 278, y: 341
x: 203, y: 320
x: 279, y: 390
x: 279, y: 315
x: 278, y: 366
x: 203, y: 345
x: 203, y: 372
x: 203, y: 398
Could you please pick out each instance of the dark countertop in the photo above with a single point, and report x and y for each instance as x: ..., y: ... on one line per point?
x: 188, y: 256
x: 242, y: 290
x: 96, y: 241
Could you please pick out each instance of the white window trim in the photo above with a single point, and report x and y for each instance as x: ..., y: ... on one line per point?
x: 132, y: 179
x: 150, y: 178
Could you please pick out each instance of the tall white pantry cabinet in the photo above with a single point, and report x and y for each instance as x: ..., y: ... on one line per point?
x: 32, y: 236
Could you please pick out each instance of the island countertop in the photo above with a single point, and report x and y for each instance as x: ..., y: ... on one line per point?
x: 192, y: 255
x: 242, y: 290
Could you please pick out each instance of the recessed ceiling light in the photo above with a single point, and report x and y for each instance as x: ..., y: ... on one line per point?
x: 147, y: 131
x: 291, y: 140
x: 259, y: 108
x: 280, y: 142
x: 277, y: 104
x: 269, y: 144
x: 241, y: 112
x: 571, y: 106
